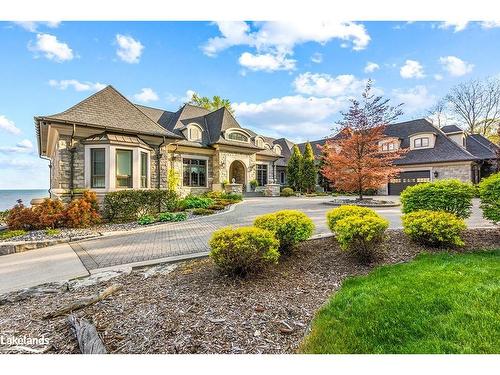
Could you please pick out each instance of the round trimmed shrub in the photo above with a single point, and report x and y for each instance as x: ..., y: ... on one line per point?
x: 489, y: 192
x: 242, y: 251
x: 360, y: 234
x: 435, y: 228
x: 287, y: 192
x: 289, y: 226
x: 451, y: 196
x: 342, y: 212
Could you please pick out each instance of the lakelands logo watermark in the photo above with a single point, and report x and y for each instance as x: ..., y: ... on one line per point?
x: 11, y: 340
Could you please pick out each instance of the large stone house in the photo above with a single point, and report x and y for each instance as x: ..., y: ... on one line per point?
x: 106, y: 143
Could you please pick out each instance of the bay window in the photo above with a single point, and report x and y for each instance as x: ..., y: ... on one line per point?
x: 144, y: 170
x: 97, y: 168
x: 124, y: 162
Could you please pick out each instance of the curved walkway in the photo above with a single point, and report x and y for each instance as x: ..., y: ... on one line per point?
x: 191, y: 237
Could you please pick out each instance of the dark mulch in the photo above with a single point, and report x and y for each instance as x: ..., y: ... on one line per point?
x: 194, y: 309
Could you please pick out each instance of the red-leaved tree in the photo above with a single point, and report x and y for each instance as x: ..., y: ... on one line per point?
x: 354, y: 161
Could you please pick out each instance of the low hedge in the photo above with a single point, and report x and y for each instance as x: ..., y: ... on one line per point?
x: 489, y: 192
x: 195, y: 201
x: 243, y: 250
x: 203, y: 211
x: 172, y: 216
x: 129, y: 205
x: 445, y: 195
x: 289, y: 226
x: 435, y: 228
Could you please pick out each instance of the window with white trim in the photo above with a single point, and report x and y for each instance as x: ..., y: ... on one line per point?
x: 194, y: 134
x: 124, y: 168
x: 194, y: 172
x: 277, y: 149
x: 388, y: 146
x: 144, y: 170
x: 421, y: 142
x: 98, y: 168
x: 262, y: 174
x: 236, y: 136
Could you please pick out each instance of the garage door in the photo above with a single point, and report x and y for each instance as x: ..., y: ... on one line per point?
x: 405, y: 179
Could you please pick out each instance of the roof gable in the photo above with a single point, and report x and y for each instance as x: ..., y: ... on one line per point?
x: 111, y: 110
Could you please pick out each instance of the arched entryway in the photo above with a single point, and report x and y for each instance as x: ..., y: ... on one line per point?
x: 238, y: 172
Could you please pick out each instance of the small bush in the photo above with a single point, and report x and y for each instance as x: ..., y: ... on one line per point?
x: 217, y: 207
x: 290, y: 227
x: 232, y: 197
x: 52, y: 232
x: 445, y: 195
x: 213, y: 194
x: 21, y: 218
x: 146, y: 219
x: 193, y: 201
x: 287, y: 192
x: 254, y: 184
x: 129, y: 205
x: 3, y: 216
x: 434, y: 228
x: 12, y: 233
x: 82, y: 212
x: 360, y: 234
x: 223, y: 202
x: 489, y: 192
x: 203, y: 211
x: 172, y: 216
x: 243, y: 250
x: 49, y: 214
x: 342, y: 212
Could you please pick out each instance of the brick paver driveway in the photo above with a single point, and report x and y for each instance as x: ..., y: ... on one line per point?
x: 191, y: 237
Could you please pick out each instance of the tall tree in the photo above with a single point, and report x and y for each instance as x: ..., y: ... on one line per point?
x: 212, y: 104
x: 355, y: 161
x: 294, y: 169
x: 438, y: 113
x: 309, y: 171
x: 477, y: 105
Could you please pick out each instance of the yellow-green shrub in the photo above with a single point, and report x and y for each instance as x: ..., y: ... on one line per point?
x: 287, y: 192
x: 360, y: 234
x: 489, y: 192
x: 243, y: 250
x: 342, y: 212
x: 434, y: 227
x: 289, y: 226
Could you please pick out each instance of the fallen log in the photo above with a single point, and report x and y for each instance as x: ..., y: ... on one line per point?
x: 86, y: 334
x: 84, y: 302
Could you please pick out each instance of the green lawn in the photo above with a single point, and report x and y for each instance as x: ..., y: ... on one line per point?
x: 440, y: 303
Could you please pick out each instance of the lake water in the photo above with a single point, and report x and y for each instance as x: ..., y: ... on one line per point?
x: 8, y: 198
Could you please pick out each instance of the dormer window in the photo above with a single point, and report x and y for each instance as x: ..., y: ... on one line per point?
x: 259, y: 142
x: 194, y: 133
x: 237, y: 136
x: 421, y: 142
x: 388, y: 146
x: 277, y: 149
x: 267, y: 146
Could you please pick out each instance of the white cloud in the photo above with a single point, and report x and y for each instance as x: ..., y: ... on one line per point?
x: 267, y: 62
x: 294, y: 117
x: 23, y: 147
x: 317, y: 58
x: 438, y: 77
x: 284, y: 35
x: 456, y: 25
x: 76, y: 85
x: 274, y: 41
x: 8, y: 125
x: 415, y: 99
x: 129, y: 49
x: 51, y: 48
x: 146, y: 95
x: 455, y: 66
x: 371, y: 67
x: 20, y: 164
x: 33, y: 26
x: 412, y: 69
x: 490, y: 24
x: 326, y: 85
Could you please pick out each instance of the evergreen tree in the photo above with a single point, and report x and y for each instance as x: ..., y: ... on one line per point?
x: 294, y: 169
x: 309, y: 171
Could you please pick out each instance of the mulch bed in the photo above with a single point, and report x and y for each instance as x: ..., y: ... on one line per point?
x: 194, y: 309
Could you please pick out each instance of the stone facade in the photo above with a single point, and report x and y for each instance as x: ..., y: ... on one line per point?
x: 163, y: 163
x: 461, y: 172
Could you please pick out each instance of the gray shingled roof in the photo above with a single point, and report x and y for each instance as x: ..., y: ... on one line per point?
x: 481, y: 147
x: 110, y: 110
x: 445, y: 150
x: 451, y: 129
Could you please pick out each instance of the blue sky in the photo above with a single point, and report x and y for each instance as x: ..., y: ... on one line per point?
x: 285, y: 79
